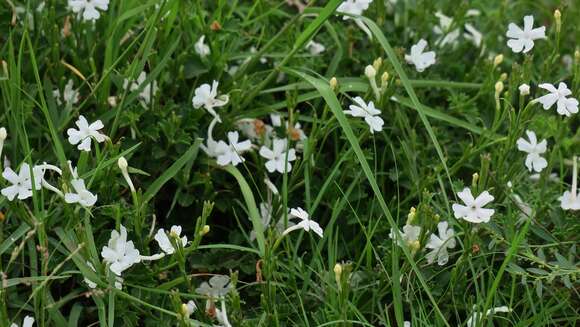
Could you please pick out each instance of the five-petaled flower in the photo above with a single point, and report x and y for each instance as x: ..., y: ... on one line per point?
x: 230, y: 153
x: 564, y: 106
x: 119, y: 253
x: 534, y: 160
x: 278, y: 157
x: 523, y: 40
x: 207, y: 96
x: 440, y: 244
x: 88, y: 8
x: 305, y: 222
x: 473, y: 210
x: 85, y: 133
x: 368, y: 112
x: 165, y: 243
x: 420, y: 59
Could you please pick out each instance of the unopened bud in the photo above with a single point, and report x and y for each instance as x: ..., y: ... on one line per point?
x: 411, y: 215
x: 415, y: 245
x: 577, y: 56
x: 204, y: 230
x: 123, y: 164
x: 385, y: 78
x: 503, y: 77
x: 370, y: 72
x: 558, y: 19
x: 497, y: 60
x: 3, y: 134
x: 338, y: 274
x: 378, y: 63
x: 333, y: 84
x: 498, y: 88
x: 474, y: 179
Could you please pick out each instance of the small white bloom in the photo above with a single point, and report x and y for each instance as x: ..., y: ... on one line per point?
x: 534, y: 160
x: 70, y: 96
x: 27, y: 322
x: 21, y: 183
x: 120, y: 254
x: 368, y: 112
x: 201, y: 48
x: 88, y: 8
x: 306, y: 223
x: 440, y: 244
x: 473, y: 210
x: 524, y: 89
x: 410, y: 235
x: 231, y: 153
x: 446, y: 35
x: 165, y: 243
x: 420, y: 59
x: 207, y: 96
x: 85, y: 134
x: 81, y: 195
x: 353, y: 7
x: 217, y: 287
x: 315, y: 48
x: 276, y: 119
x: 564, y: 106
x: 278, y: 157
x: 570, y: 199
x: 190, y: 307
x: 476, y: 316
x: 147, y: 91
x: 473, y: 35
x: 524, y: 39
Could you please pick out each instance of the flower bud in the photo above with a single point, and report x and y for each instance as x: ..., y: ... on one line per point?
x: 498, y: 88
x: 3, y: 134
x: 370, y: 72
x: 503, y: 77
x: 123, y: 164
x: 577, y: 56
x: 204, y: 230
x: 415, y: 246
x: 338, y: 274
x: 384, y: 78
x: 524, y: 89
x: 333, y: 84
x: 497, y: 60
x: 558, y: 19
x: 411, y: 216
x: 378, y: 63
x: 474, y: 179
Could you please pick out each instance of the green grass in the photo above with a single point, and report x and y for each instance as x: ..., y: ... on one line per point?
x: 441, y: 127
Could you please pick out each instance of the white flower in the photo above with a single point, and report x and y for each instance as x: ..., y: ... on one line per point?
x: 534, y: 160
x: 27, y: 322
x: 410, y: 235
x: 165, y: 243
x: 473, y: 35
x: 276, y: 119
x: 88, y: 8
x: 206, y: 96
x: 446, y: 36
x: 369, y: 112
x: 21, y: 183
x: 353, y: 7
x: 565, y: 106
x: 230, y: 153
x: 120, y: 254
x: 306, y: 223
x: 82, y: 196
x: 85, y: 134
x: 524, y: 39
x: 420, y: 59
x: 277, y: 156
x: 201, y: 48
x: 440, y: 244
x: 70, y: 96
x: 476, y: 316
x: 218, y: 287
x: 145, y: 94
x: 473, y: 210
x: 570, y: 199
x: 315, y: 48
x: 524, y: 89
